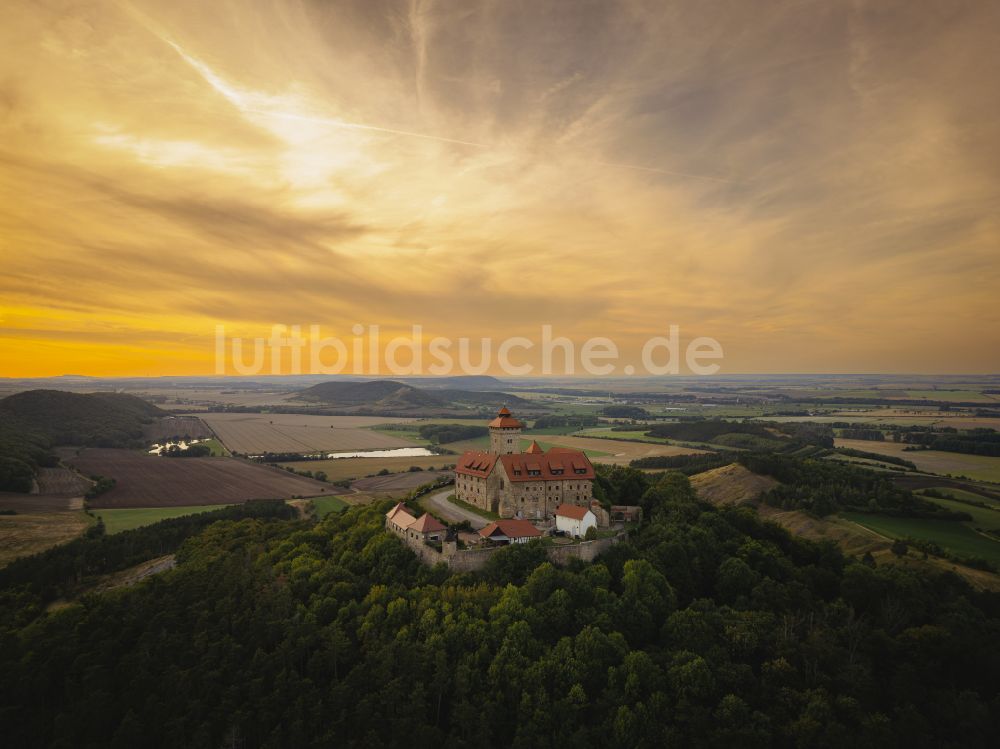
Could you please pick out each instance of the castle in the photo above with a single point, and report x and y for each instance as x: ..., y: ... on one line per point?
x: 528, y: 485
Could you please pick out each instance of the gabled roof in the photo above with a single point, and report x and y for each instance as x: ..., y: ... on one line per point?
x: 505, y: 421
x: 476, y: 463
x: 401, y: 516
x: 400, y: 507
x: 510, y: 529
x: 427, y: 523
x: 572, y: 511
x: 558, y: 464
x: 534, y: 448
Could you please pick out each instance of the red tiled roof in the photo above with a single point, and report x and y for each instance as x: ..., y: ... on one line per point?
x: 476, y: 463
x: 505, y: 421
x: 573, y: 463
x: 572, y: 511
x: 534, y: 448
x: 427, y: 523
x: 511, y: 529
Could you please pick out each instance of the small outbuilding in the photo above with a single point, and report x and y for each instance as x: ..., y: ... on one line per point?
x: 510, y: 532
x: 428, y: 528
x: 574, y: 520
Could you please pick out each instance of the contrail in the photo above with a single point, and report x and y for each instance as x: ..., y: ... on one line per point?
x: 359, y: 126
x: 662, y: 171
x: 239, y: 99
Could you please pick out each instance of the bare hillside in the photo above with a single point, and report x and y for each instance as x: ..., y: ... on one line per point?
x: 731, y: 485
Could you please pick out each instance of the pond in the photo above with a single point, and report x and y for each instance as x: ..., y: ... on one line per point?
x: 398, y: 452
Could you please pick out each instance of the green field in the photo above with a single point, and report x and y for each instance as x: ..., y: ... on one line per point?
x: 954, y: 493
x: 982, y: 517
x: 116, y: 521
x: 633, y: 434
x: 954, y: 536
x: 325, y: 505
x: 218, y: 449
x: 978, y: 467
x: 338, y: 469
x: 951, y: 395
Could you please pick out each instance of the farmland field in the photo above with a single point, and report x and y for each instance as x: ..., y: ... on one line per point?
x: 116, y: 521
x: 396, y: 483
x: 149, y: 481
x: 176, y: 426
x: 954, y: 536
x: 934, y: 461
x: 963, y: 494
x: 599, y: 450
x: 299, y: 433
x: 339, y: 469
x: 639, y: 433
x: 982, y: 517
x: 32, y: 532
x: 61, y: 481
x: 618, y: 451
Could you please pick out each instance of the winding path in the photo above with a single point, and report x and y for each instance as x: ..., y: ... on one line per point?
x: 452, y: 512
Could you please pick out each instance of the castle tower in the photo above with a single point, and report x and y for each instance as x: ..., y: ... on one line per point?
x: 505, y: 433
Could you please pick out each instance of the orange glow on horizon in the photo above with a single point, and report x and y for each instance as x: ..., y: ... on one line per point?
x: 814, y: 189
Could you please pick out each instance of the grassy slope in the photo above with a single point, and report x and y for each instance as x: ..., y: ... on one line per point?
x: 954, y: 536
x: 325, y: 505
x: 853, y: 533
x: 116, y: 521
x: 25, y: 534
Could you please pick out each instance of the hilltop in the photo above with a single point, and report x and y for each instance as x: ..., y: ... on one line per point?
x: 731, y: 485
x: 734, y: 484
x: 99, y: 419
x: 394, y: 396
x: 33, y: 421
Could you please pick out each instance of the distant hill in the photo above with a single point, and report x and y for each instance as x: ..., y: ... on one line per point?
x: 460, y: 382
x: 33, y: 421
x: 93, y: 419
x: 394, y: 396
x: 377, y: 393
x: 490, y: 400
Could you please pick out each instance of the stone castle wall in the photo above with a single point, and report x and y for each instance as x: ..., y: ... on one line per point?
x: 468, y: 560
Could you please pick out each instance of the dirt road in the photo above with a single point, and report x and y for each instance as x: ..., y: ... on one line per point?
x: 438, y: 501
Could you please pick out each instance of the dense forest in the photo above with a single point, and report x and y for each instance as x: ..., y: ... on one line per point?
x: 823, y: 487
x: 556, y: 421
x: 754, y: 435
x: 708, y: 628
x: 970, y: 441
x: 32, y: 422
x: 440, y: 434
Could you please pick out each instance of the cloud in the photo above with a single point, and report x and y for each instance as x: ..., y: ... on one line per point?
x: 814, y: 184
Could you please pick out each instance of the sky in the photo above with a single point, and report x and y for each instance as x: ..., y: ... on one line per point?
x: 815, y: 185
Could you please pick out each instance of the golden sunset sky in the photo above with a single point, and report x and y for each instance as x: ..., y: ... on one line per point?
x: 814, y: 184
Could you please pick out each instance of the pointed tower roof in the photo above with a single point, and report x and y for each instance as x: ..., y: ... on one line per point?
x: 535, y: 448
x: 505, y: 420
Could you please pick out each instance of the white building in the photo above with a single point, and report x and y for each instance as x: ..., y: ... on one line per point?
x: 574, y: 520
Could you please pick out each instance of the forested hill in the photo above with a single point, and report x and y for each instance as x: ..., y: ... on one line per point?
x: 98, y: 419
x: 398, y: 396
x: 33, y: 421
x: 708, y: 628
